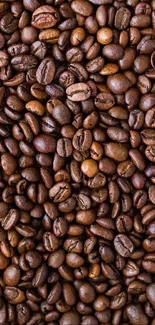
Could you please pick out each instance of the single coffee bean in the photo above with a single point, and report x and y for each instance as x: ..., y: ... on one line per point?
x: 45, y: 72
x: 78, y: 92
x: 70, y: 317
x: 8, y: 163
x: 136, y: 315
x: 44, y: 17
x: 82, y: 140
x: 118, y: 83
x: 122, y: 18
x: 116, y: 151
x: 44, y: 143
x: 12, y: 275
x: 64, y: 147
x: 104, y: 35
x: 123, y: 245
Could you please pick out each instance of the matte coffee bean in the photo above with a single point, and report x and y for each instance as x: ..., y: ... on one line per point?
x: 86, y: 293
x: 44, y: 17
x: 123, y: 245
x: 104, y: 101
x: 24, y: 62
x: 45, y: 72
x: 82, y: 140
x: 104, y: 35
x: 86, y: 217
x: 122, y: 18
x: 60, y: 113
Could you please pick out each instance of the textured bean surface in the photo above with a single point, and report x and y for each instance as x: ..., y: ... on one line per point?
x: 77, y: 155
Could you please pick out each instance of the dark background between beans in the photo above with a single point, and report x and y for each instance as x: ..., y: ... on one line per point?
x: 77, y: 162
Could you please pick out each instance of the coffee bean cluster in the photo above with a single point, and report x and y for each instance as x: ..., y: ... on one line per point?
x: 77, y: 162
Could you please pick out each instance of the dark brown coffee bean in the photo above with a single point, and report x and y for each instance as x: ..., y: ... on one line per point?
x: 8, y: 23
x: 104, y: 101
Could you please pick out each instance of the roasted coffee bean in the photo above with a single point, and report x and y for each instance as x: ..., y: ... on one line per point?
x: 44, y: 143
x: 45, y: 72
x: 44, y: 17
x: 122, y: 18
x: 78, y: 92
x: 123, y: 245
x: 136, y: 315
x: 118, y: 83
x: 82, y: 140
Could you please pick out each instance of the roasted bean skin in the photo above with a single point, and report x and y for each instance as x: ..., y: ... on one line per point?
x: 77, y: 154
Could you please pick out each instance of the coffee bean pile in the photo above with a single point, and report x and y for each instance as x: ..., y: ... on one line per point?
x: 77, y: 162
